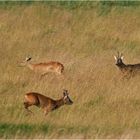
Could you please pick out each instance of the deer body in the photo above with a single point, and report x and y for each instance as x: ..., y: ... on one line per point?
x: 44, y: 102
x: 127, y: 69
x: 44, y: 68
x: 130, y: 67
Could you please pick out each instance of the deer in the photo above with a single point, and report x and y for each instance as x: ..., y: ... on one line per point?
x: 46, y: 103
x: 44, y: 68
x: 128, y: 70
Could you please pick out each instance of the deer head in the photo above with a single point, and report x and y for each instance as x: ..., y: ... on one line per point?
x: 23, y: 63
x: 119, y: 59
x: 66, y: 98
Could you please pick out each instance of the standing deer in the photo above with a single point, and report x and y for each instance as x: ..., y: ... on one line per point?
x: 46, y: 103
x: 44, y: 68
x: 126, y: 69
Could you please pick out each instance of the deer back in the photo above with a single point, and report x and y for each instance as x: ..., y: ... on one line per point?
x: 48, y: 67
x: 52, y: 66
x: 38, y: 99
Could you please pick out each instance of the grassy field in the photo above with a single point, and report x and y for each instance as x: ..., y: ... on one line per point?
x: 84, y: 38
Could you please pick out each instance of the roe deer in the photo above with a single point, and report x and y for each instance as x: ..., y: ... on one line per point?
x: 46, y: 103
x: 126, y: 69
x: 44, y: 68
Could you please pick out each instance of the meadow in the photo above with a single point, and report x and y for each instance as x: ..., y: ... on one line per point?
x: 84, y: 37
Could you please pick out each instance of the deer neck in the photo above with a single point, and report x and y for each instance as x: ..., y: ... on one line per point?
x: 30, y: 66
x: 121, y: 66
x: 59, y: 103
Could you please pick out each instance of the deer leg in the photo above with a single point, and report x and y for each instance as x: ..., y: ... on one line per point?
x: 46, y: 110
x: 26, y: 105
x: 62, y: 76
x: 59, y: 71
x: 59, y: 75
x: 42, y: 75
x: 127, y: 76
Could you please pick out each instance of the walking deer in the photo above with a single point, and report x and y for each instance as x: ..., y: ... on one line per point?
x: 44, y: 68
x: 46, y: 103
x: 126, y: 69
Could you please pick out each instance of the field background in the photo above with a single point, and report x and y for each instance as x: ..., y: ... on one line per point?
x: 83, y: 36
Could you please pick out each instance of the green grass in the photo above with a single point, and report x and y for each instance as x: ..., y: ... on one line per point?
x: 9, y: 130
x: 71, y: 5
x: 42, y: 131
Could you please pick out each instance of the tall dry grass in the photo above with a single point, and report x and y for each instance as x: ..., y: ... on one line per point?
x: 85, y: 42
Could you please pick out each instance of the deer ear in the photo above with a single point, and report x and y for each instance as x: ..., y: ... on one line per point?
x: 65, y: 92
x: 65, y: 97
x: 122, y: 57
x: 115, y: 57
x: 28, y: 58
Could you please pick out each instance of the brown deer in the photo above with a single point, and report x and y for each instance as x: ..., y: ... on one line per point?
x: 46, y: 103
x: 126, y: 69
x: 44, y: 68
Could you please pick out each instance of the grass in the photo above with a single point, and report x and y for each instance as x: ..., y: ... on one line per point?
x: 84, y: 38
